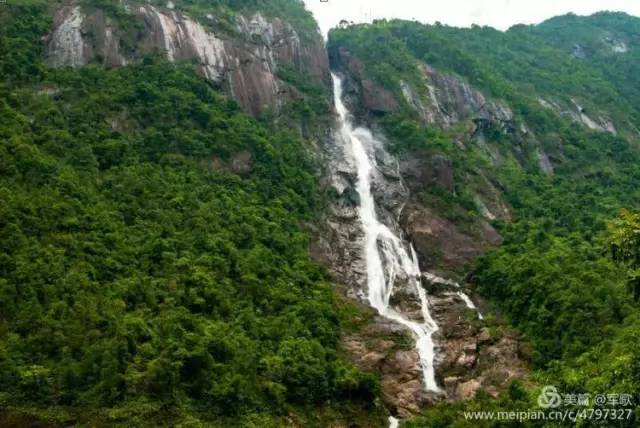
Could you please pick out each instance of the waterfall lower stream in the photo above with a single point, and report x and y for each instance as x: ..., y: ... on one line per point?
x: 387, y: 257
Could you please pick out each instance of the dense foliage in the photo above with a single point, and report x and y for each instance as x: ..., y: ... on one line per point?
x: 596, y: 38
x: 153, y: 262
x: 154, y: 267
x: 553, y: 276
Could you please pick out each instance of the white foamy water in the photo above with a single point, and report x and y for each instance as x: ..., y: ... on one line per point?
x: 393, y: 422
x: 386, y: 256
x: 467, y: 301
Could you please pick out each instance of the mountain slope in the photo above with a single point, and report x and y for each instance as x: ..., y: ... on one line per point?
x: 171, y: 183
x: 154, y: 266
x: 605, y: 41
x: 511, y: 128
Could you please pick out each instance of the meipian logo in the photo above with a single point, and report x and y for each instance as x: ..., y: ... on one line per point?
x: 549, y: 398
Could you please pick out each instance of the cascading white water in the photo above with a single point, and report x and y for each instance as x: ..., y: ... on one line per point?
x: 466, y: 299
x: 393, y: 422
x: 385, y: 254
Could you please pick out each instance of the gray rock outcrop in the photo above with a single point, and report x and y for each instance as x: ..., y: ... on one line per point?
x: 244, y: 63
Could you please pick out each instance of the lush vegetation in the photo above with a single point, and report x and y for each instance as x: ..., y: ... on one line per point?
x: 154, y: 267
x: 554, y: 276
x: 597, y: 36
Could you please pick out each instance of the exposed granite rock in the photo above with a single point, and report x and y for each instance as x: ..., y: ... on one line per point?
x: 470, y: 357
x: 490, y: 193
x: 401, y: 375
x: 452, y: 101
x: 402, y: 387
x: 444, y: 100
x: 578, y: 114
x: 364, y: 96
x: 543, y: 162
x: 339, y: 240
x: 377, y: 99
x: 388, y: 188
x: 441, y: 244
x: 484, y: 336
x: 580, y: 51
x: 616, y: 45
x: 242, y: 163
x: 246, y: 64
x: 425, y: 171
x: 467, y: 390
x: 66, y: 46
x: 467, y: 357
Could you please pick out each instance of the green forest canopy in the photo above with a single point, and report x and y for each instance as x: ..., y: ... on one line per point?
x: 141, y: 279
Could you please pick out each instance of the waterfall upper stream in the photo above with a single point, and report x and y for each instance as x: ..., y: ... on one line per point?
x: 387, y: 257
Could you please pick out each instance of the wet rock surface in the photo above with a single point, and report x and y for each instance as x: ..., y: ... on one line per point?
x: 388, y: 349
x: 469, y: 357
x: 338, y: 238
x: 441, y: 244
x: 472, y: 355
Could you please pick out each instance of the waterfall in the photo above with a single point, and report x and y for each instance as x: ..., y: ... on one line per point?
x: 466, y: 299
x: 387, y: 257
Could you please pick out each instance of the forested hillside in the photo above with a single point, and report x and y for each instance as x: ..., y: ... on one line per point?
x: 553, y: 276
x: 153, y: 252
x: 172, y: 176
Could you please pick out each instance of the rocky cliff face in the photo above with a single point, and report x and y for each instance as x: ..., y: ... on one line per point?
x: 451, y: 101
x: 243, y: 60
x: 339, y: 245
x: 442, y: 101
x: 471, y: 355
x: 574, y: 111
x: 366, y: 97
